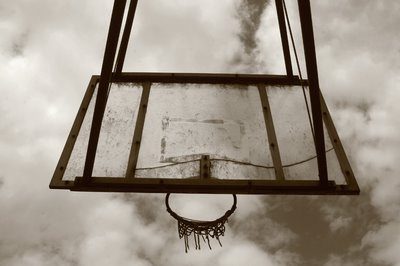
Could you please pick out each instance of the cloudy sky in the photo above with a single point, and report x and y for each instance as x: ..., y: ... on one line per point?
x: 49, y: 50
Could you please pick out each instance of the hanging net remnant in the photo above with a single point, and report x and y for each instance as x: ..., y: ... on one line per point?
x: 203, y: 229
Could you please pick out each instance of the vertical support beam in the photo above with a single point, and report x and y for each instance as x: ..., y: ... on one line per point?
x: 137, y: 135
x: 284, y: 37
x: 102, y: 93
x: 125, y: 36
x: 273, y: 142
x: 312, y: 75
x: 205, y: 167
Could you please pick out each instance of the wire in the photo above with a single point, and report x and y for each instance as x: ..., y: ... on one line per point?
x: 163, y: 166
x: 243, y: 163
x: 271, y: 167
x: 298, y: 68
x: 236, y: 162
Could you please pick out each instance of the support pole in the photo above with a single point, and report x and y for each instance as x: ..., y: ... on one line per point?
x: 312, y: 75
x: 102, y: 93
x: 284, y: 37
x: 125, y: 36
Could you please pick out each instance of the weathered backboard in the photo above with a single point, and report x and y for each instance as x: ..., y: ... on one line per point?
x: 161, y: 133
x: 205, y: 133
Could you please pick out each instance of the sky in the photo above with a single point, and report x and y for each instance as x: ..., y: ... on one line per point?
x: 50, y: 49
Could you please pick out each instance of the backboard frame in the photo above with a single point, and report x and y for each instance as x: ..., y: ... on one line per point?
x: 202, y: 185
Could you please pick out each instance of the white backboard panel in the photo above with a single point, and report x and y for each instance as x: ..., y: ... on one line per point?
x: 186, y: 125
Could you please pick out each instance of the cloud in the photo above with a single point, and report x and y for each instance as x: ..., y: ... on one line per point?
x: 359, y: 73
x: 112, y: 236
x: 253, y: 217
x: 48, y: 51
x: 202, y: 33
x: 337, y: 216
x: 44, y: 60
x: 242, y: 253
x: 384, y: 243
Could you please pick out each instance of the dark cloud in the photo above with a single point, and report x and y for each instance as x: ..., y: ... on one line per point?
x: 19, y: 44
x: 324, y: 226
x: 249, y: 13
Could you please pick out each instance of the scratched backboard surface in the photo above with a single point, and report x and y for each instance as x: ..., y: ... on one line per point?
x: 188, y: 121
x: 185, y: 121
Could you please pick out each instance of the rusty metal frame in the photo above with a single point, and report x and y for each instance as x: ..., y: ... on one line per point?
x: 206, y: 184
x: 105, y: 78
x: 272, y: 141
x: 137, y: 135
x: 56, y: 181
x: 128, y: 183
x: 284, y: 37
x: 312, y: 75
x: 211, y: 186
x: 125, y: 36
x: 209, y: 78
x: 338, y: 147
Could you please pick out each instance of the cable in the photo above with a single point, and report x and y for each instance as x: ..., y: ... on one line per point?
x: 163, y: 166
x: 234, y: 161
x: 298, y: 68
x: 271, y: 167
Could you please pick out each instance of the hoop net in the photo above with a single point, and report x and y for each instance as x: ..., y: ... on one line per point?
x: 203, y: 229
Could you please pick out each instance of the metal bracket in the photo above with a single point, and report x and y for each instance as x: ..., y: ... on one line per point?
x: 205, y: 166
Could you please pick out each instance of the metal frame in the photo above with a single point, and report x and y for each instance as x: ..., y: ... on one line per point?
x: 273, y: 142
x: 56, y: 181
x: 284, y: 37
x: 209, y: 78
x: 312, y: 75
x: 137, y: 135
x: 205, y: 184
x: 105, y: 78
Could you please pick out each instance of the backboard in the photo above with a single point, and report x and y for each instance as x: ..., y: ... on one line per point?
x: 161, y: 133
x: 204, y: 133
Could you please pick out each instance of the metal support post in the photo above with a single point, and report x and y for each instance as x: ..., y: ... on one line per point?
x: 312, y: 75
x: 284, y: 38
x: 125, y: 36
x: 102, y: 93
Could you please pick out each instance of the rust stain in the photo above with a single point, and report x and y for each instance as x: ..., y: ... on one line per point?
x: 165, y: 123
x: 213, y: 121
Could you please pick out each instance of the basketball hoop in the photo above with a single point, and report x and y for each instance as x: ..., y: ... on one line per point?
x: 128, y: 136
x: 205, y: 229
